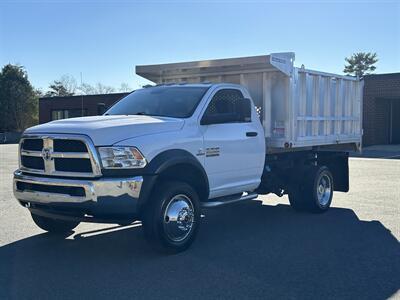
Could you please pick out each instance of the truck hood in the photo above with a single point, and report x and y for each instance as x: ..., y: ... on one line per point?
x: 108, y: 130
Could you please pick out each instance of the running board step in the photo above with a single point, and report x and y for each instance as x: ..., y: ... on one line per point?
x: 217, y: 203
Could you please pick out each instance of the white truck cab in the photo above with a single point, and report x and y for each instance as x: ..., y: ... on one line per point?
x: 163, y: 153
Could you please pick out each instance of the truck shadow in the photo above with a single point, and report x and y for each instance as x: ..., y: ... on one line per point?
x: 243, y: 251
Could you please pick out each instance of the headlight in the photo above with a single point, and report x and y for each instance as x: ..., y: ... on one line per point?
x: 121, y: 158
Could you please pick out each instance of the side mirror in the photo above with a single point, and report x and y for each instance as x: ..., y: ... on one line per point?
x: 101, y: 108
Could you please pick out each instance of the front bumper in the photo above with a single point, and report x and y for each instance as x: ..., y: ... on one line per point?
x: 102, y: 196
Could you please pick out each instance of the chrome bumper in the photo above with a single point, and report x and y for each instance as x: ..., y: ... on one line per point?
x: 98, y: 190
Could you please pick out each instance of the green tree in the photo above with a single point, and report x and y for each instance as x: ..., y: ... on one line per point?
x: 360, y: 63
x: 18, y: 99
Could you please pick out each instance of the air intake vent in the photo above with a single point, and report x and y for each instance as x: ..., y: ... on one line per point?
x: 73, y: 165
x: 63, y: 145
x: 65, y: 190
x: 32, y: 144
x: 32, y: 162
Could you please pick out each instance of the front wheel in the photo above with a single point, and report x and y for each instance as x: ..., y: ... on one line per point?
x: 315, y: 192
x: 54, y: 225
x: 171, y: 220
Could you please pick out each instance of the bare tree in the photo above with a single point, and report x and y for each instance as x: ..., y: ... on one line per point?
x: 65, y: 86
x: 69, y: 82
x: 98, y: 88
x: 124, y: 87
x: 86, y: 89
x: 103, y: 89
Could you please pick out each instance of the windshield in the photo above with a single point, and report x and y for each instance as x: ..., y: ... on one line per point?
x: 165, y: 101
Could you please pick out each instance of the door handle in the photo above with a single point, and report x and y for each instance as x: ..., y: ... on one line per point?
x: 251, y: 133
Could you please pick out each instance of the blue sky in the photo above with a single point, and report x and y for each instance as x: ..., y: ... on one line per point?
x: 105, y: 39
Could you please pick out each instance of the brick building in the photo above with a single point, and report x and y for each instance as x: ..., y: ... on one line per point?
x: 55, y: 108
x: 381, y: 109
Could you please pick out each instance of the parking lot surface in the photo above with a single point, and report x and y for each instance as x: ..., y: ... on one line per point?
x: 261, y: 249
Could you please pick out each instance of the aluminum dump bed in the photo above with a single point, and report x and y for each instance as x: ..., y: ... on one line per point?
x: 299, y: 108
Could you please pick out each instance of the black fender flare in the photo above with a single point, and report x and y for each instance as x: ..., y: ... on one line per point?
x: 162, y: 162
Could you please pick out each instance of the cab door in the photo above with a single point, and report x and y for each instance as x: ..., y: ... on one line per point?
x: 233, y: 142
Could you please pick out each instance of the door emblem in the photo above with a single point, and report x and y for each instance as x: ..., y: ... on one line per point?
x: 210, y: 152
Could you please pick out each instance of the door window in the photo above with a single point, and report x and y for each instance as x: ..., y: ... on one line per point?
x: 227, y: 106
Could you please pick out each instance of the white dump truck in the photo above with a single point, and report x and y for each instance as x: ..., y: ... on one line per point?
x: 206, y: 134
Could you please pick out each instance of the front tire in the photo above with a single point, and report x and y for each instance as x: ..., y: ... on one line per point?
x: 54, y: 225
x: 315, y: 193
x: 171, y: 220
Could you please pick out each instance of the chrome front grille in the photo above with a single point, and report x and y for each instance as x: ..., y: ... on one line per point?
x: 59, y: 155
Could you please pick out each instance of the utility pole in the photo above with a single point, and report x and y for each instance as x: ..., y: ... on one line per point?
x: 81, y: 97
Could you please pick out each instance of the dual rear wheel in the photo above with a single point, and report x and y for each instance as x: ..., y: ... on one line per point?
x: 314, y: 192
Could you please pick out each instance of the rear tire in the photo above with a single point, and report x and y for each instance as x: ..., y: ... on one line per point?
x: 54, y: 225
x: 171, y: 220
x: 315, y: 192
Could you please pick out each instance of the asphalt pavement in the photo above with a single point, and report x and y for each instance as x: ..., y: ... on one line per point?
x: 261, y: 249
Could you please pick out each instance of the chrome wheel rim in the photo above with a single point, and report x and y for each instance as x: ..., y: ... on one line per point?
x: 179, y: 218
x: 324, y: 190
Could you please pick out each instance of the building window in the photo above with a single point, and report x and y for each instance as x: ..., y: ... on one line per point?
x: 67, y: 113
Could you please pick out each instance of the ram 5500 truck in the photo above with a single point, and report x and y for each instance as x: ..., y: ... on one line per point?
x: 209, y: 133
